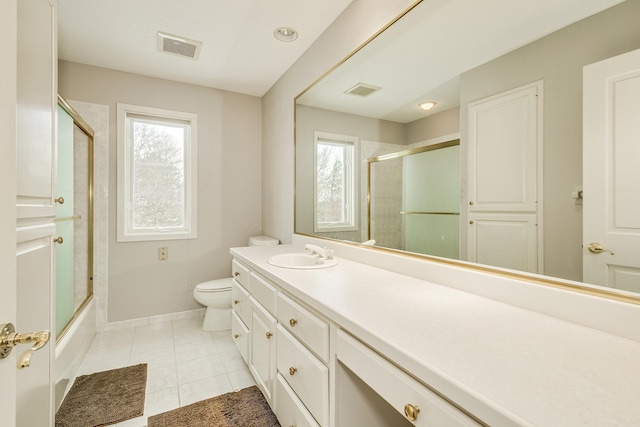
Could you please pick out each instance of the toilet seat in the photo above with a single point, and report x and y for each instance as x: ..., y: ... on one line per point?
x: 219, y: 285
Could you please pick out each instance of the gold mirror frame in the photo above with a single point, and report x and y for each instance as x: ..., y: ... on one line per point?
x: 583, y: 288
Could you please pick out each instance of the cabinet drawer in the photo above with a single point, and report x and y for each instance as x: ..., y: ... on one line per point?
x: 306, y: 326
x: 290, y: 410
x: 240, y: 272
x: 263, y: 291
x: 396, y: 387
x: 240, y: 302
x: 240, y: 333
x: 306, y: 375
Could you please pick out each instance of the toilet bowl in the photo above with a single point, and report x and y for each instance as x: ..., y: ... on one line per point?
x: 216, y: 296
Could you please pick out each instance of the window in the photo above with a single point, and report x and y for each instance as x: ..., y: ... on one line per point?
x: 335, y: 182
x: 157, y: 174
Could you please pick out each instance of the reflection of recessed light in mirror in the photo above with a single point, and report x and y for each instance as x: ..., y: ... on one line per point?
x: 426, y: 106
x: 285, y: 34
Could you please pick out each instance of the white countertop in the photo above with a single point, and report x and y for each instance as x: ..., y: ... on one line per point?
x: 503, y: 364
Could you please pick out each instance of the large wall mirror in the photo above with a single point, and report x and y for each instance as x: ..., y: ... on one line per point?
x: 492, y: 174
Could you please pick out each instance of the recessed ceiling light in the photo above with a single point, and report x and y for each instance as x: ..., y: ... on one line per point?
x: 285, y: 34
x: 428, y: 105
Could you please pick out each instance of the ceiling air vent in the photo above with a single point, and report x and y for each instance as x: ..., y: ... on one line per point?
x: 362, y: 89
x: 176, y: 45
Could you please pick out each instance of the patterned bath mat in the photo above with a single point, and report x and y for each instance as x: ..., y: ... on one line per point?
x: 246, y: 408
x: 104, y: 398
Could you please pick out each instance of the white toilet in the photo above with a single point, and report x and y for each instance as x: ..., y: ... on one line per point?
x: 216, y: 294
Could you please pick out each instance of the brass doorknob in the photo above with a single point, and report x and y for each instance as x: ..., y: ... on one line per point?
x: 596, y: 248
x: 9, y: 339
x: 59, y: 240
x: 411, y: 411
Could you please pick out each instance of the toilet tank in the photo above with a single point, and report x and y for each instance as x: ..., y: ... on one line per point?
x: 263, y: 241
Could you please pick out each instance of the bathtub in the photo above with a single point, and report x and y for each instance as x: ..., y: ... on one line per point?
x: 72, y: 347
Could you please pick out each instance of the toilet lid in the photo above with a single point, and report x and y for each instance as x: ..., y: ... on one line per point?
x: 218, y: 285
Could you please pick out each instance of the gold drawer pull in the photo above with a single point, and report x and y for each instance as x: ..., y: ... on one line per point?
x: 59, y: 240
x: 411, y: 411
x: 60, y: 200
x: 237, y: 273
x: 292, y: 371
x: 236, y: 301
x: 269, y: 335
x: 236, y: 336
x: 293, y: 322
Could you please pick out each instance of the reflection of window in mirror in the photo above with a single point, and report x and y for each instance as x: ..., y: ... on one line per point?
x: 335, y: 201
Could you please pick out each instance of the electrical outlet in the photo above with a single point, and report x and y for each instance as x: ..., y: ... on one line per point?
x: 163, y: 254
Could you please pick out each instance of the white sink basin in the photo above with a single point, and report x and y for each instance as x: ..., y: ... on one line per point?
x: 301, y: 261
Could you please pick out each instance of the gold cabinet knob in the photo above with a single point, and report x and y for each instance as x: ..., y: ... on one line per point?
x: 59, y: 240
x: 60, y: 200
x: 293, y: 322
x: 269, y: 335
x: 236, y: 301
x: 471, y: 202
x: 292, y: 371
x: 236, y: 274
x: 471, y: 222
x: 236, y: 336
x: 411, y: 411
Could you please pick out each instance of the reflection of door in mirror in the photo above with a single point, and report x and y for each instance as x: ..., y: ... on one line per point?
x: 611, y: 235
x: 414, y: 199
x: 505, y: 185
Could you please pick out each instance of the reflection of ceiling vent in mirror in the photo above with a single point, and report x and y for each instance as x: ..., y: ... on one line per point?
x: 362, y: 89
x: 176, y: 45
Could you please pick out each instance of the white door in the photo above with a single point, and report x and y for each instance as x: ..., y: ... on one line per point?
x: 8, y: 32
x: 505, y: 180
x: 27, y: 126
x: 611, y: 164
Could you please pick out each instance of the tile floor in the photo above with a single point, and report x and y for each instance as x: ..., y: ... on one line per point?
x: 184, y: 364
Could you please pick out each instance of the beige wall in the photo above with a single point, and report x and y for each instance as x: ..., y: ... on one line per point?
x: 434, y: 126
x: 558, y: 60
x: 361, y: 20
x: 229, y: 188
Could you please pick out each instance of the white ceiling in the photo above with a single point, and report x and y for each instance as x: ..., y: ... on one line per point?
x: 239, y: 52
x: 421, y: 57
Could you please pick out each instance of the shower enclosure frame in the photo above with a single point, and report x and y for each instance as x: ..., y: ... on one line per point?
x: 89, y: 132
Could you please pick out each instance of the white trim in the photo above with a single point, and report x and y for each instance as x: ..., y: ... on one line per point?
x: 124, y: 234
x: 142, y: 321
x: 352, y: 176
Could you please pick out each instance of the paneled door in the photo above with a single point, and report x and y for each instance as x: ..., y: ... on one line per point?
x: 611, y: 165
x: 505, y: 180
x: 28, y: 72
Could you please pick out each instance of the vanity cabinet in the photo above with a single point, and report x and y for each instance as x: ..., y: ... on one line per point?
x: 417, y: 404
x: 310, y: 381
x: 286, y: 347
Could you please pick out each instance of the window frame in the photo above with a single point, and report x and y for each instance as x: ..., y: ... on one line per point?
x: 352, y: 213
x: 125, y: 231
